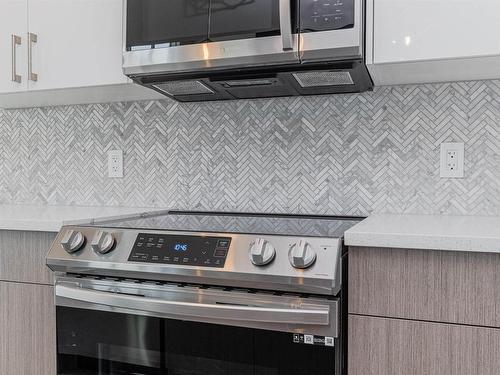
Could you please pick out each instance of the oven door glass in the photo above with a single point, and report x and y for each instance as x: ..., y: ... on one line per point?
x: 166, y: 23
x: 244, y: 19
x: 109, y: 343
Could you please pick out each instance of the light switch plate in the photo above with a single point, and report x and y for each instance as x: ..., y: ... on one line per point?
x: 452, y: 160
x: 115, y: 163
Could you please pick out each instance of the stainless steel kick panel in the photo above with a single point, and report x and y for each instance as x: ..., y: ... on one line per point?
x: 212, y: 305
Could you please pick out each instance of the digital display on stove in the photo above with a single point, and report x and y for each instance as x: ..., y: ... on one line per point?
x: 181, y: 247
x: 187, y: 250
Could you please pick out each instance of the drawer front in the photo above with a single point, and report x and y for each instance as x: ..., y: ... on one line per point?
x: 381, y: 346
x: 441, y: 286
x: 22, y: 256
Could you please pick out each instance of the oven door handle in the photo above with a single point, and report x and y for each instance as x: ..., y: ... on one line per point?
x: 286, y: 25
x: 309, y: 315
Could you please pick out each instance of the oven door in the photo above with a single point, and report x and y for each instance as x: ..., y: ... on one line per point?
x: 179, y: 36
x: 115, y: 327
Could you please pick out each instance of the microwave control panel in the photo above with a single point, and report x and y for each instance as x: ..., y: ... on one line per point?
x: 324, y: 15
x: 184, y: 250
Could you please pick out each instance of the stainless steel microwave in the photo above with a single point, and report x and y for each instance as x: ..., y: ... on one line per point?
x: 222, y: 49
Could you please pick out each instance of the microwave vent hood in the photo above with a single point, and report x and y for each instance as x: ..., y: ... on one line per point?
x: 196, y: 51
x: 177, y: 88
x: 321, y: 78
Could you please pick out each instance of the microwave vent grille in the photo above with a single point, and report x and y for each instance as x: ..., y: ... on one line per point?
x: 176, y: 88
x: 315, y: 79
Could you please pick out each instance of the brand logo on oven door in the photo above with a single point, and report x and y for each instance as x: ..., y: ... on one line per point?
x: 299, y: 338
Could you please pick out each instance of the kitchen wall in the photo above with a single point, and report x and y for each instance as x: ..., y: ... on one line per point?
x: 348, y: 154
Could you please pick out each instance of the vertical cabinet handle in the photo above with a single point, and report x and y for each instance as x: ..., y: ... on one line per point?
x: 286, y: 25
x: 16, y: 41
x: 32, y: 38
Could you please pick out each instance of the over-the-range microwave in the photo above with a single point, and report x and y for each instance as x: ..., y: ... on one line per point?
x: 194, y: 50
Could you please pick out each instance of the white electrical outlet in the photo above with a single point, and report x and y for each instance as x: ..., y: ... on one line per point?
x: 452, y: 160
x: 115, y: 163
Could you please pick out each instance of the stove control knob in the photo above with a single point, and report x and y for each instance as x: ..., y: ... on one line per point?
x: 103, y: 242
x: 301, y: 255
x: 73, y: 241
x: 262, y: 252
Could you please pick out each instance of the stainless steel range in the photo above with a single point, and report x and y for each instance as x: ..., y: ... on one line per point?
x: 183, y: 293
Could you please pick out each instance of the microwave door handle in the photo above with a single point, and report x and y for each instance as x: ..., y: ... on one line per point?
x: 286, y: 25
x: 182, y: 309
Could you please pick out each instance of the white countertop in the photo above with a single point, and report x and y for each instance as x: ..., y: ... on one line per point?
x: 51, y: 218
x: 434, y: 232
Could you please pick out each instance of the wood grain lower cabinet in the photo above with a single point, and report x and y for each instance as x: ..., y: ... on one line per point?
x: 382, y: 346
x: 22, y: 256
x: 442, y: 286
x: 27, y: 329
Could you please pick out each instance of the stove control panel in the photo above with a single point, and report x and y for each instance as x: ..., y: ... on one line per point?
x: 249, y: 260
x: 189, y: 250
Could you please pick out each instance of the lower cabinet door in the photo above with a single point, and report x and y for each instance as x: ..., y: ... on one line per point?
x: 381, y: 346
x: 27, y: 329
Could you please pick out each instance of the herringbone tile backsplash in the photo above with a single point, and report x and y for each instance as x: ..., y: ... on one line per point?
x: 347, y: 154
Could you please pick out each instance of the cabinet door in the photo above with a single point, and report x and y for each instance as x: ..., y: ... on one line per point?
x: 79, y: 43
x: 22, y: 256
x: 27, y: 329
x: 379, y: 346
x: 425, y: 285
x: 416, y: 30
x: 13, y: 22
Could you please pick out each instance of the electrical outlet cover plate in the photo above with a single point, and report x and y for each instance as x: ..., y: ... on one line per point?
x: 452, y: 160
x: 115, y: 163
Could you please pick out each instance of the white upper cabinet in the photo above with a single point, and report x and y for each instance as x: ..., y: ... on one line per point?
x: 63, y: 52
x: 79, y: 43
x: 416, y: 30
x: 418, y: 41
x: 13, y: 52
